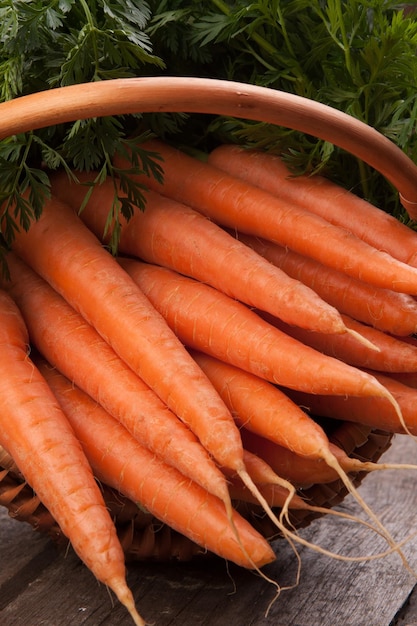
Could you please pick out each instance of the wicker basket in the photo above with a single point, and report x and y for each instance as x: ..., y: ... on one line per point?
x: 143, y: 536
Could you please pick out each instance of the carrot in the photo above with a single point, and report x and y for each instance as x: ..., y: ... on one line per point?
x: 171, y: 234
x: 36, y: 433
x: 122, y: 463
x: 384, y: 309
x: 174, y: 500
x: 238, y: 205
x: 321, y: 196
x: 393, y: 355
x: 374, y: 413
x: 407, y: 378
x: 231, y: 332
x: 264, y: 409
x: 265, y: 351
x: 303, y: 472
x: 277, y: 491
x: 72, y: 345
x: 66, y: 254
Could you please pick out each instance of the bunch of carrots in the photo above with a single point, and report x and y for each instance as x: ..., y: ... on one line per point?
x: 186, y: 373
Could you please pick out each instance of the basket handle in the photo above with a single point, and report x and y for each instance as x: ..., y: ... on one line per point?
x: 215, y: 97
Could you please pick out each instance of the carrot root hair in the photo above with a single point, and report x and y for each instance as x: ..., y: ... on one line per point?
x: 333, y: 462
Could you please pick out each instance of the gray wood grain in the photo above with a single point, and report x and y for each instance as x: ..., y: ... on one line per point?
x: 41, y: 586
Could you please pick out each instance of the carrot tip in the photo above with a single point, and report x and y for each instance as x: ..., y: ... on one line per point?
x: 125, y: 597
x: 365, y: 342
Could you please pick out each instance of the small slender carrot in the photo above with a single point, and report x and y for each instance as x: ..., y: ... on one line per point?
x: 231, y: 332
x: 384, y: 309
x: 36, y: 433
x: 321, y: 196
x: 67, y: 254
x: 392, y: 355
x: 374, y: 413
x: 171, y: 234
x: 122, y: 463
x: 264, y: 409
x: 244, y: 207
x: 72, y: 345
x: 304, y: 472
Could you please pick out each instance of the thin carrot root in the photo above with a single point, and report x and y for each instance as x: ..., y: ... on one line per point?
x: 293, y: 538
x: 125, y: 597
x: 333, y: 462
x: 355, y: 465
x: 363, y: 340
x: 399, y: 413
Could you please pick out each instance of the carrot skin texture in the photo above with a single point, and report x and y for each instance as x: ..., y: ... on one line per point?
x: 265, y: 351
x: 376, y: 413
x: 171, y: 234
x: 75, y: 348
x: 300, y: 471
x: 321, y: 196
x: 36, y: 433
x: 236, y: 204
x: 384, y: 309
x: 67, y: 254
x: 393, y: 355
x: 130, y: 468
x: 262, y: 408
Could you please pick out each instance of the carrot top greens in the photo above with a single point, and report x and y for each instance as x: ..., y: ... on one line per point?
x: 355, y: 55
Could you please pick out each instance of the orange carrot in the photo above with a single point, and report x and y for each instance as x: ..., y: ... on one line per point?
x: 241, y: 206
x: 374, y: 413
x: 211, y: 322
x: 264, y: 350
x: 384, y: 309
x: 321, y: 196
x: 122, y: 463
x: 171, y: 234
x: 407, y: 378
x: 302, y: 471
x: 64, y: 252
x: 393, y: 355
x: 36, y: 433
x: 262, y: 408
x: 72, y: 345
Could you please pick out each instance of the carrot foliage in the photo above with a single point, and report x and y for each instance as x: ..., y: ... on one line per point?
x: 357, y: 56
x: 55, y: 44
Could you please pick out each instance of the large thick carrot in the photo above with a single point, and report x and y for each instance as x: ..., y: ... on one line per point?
x: 384, y: 309
x: 67, y: 254
x: 392, y: 354
x: 72, y: 345
x: 36, y: 433
x: 121, y: 462
x: 171, y: 234
x: 239, y: 205
x: 211, y: 322
x: 321, y: 196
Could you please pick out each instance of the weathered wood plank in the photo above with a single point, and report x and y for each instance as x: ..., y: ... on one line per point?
x: 41, y: 586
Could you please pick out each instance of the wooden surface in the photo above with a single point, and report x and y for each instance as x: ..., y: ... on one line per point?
x: 40, y: 586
